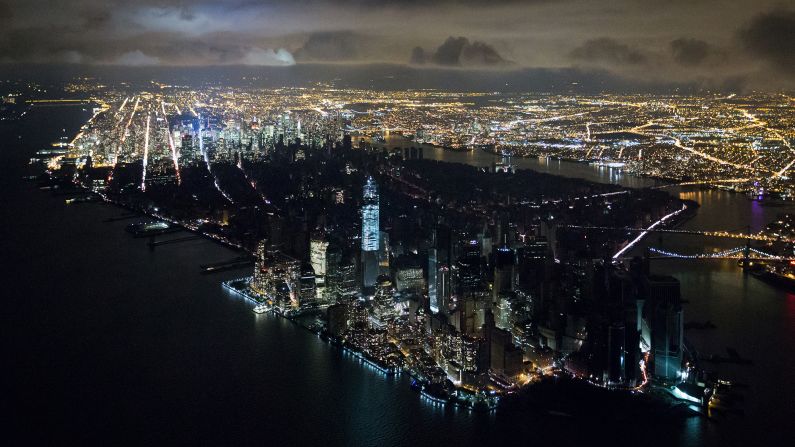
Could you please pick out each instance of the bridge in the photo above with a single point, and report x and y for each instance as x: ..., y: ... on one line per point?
x: 720, y: 234
x: 745, y: 253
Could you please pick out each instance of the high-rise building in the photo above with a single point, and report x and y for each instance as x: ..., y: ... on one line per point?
x: 277, y: 277
x: 337, y: 319
x: 408, y: 274
x: 666, y: 325
x: 383, y: 254
x: 259, y: 265
x: 307, y: 284
x: 443, y: 252
x: 443, y: 289
x: 503, y: 271
x: 469, y: 266
x: 370, y: 233
x: 341, y: 275
x: 433, y: 295
x: 318, y: 247
x: 370, y: 230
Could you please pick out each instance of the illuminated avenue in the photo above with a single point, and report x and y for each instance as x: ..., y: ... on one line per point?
x: 738, y: 142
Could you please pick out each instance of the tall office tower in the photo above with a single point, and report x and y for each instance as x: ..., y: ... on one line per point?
x: 443, y: 242
x: 333, y: 276
x: 503, y: 271
x: 433, y: 295
x: 277, y: 276
x: 616, y: 353
x: 337, y: 319
x: 408, y: 275
x: 532, y: 266
x: 665, y: 322
x: 443, y: 289
x: 468, y: 264
x: 318, y: 248
x: 383, y: 254
x: 370, y: 233
x: 307, y: 284
x: 340, y: 275
x: 370, y: 216
x: 260, y: 267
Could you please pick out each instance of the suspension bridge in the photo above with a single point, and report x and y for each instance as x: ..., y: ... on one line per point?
x: 745, y: 253
x: 720, y: 234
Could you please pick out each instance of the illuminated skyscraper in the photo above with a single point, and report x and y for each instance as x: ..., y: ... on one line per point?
x: 370, y: 234
x: 318, y: 247
x: 370, y: 216
x: 433, y: 295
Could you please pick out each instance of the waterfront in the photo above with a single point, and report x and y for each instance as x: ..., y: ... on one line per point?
x: 750, y: 316
x: 163, y: 353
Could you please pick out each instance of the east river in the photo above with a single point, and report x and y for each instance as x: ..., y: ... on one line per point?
x: 107, y: 341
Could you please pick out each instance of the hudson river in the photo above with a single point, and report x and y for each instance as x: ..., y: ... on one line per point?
x: 108, y: 342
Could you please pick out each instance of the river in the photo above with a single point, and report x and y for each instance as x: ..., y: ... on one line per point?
x: 107, y: 341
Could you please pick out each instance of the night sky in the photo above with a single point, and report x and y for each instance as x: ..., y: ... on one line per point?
x: 713, y: 42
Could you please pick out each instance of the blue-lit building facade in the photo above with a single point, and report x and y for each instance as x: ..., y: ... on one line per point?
x: 370, y: 233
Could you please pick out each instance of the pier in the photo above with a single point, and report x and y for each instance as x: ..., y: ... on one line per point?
x: 153, y: 243
x: 231, y: 264
x: 144, y: 229
x: 122, y: 217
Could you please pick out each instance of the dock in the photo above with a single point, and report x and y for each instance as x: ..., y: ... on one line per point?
x: 154, y: 243
x: 231, y: 264
x: 145, y: 229
x: 122, y: 217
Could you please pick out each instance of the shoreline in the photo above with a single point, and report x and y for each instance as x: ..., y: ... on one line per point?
x: 105, y: 199
x: 261, y: 308
x: 669, y: 182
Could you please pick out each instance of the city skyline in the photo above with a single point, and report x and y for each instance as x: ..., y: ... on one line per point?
x: 399, y: 222
x: 478, y: 248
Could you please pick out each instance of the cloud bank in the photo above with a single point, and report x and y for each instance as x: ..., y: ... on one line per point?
x: 678, y: 40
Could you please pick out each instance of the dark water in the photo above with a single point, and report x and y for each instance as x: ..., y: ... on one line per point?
x: 108, y: 342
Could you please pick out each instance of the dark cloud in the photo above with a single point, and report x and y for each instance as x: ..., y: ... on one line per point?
x: 480, y: 54
x: 635, y: 39
x: 771, y: 37
x: 690, y: 52
x: 605, y: 50
x: 331, y: 46
x: 449, y: 53
x: 460, y: 52
x: 417, y: 56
